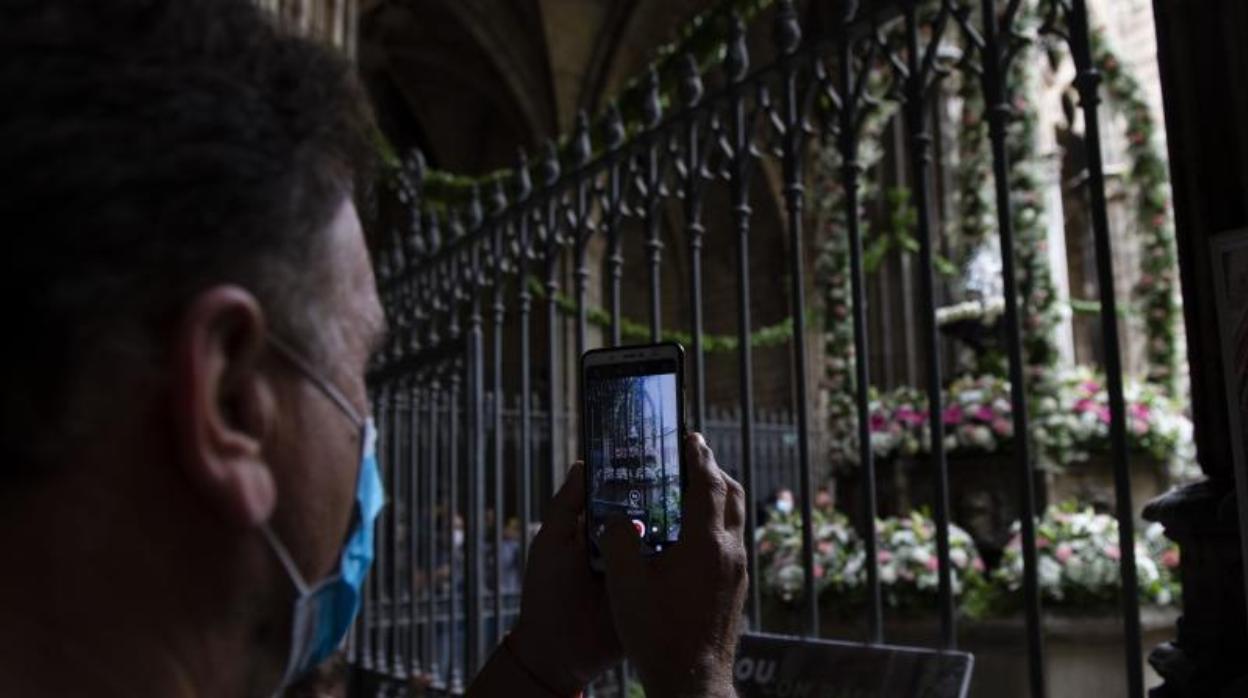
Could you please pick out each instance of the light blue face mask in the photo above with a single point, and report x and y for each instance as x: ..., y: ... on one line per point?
x: 324, y: 611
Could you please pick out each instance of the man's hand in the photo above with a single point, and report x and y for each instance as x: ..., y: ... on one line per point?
x: 564, y: 635
x: 677, y: 614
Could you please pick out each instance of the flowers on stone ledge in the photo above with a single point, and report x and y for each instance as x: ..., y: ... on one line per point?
x: 1069, y: 425
x: 1078, y: 562
x: 1077, y: 548
x: 905, y: 548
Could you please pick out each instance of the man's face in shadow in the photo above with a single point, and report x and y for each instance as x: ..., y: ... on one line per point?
x: 315, y: 449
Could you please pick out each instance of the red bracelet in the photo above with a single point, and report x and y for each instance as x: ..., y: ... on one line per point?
x: 532, y: 674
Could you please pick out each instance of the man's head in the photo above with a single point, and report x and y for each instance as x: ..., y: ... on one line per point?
x: 178, y: 179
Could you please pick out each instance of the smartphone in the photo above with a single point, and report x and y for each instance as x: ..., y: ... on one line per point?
x: 632, y: 431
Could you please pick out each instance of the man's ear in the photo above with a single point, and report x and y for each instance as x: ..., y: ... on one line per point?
x: 224, y: 405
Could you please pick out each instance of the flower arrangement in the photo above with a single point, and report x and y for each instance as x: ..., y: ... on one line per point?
x: 976, y: 418
x: 838, y: 554
x: 1078, y: 562
x: 1075, y: 422
x: 1069, y: 425
x: 906, y: 551
x: 909, y: 566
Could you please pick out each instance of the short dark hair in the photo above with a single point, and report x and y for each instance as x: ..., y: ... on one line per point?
x: 148, y: 150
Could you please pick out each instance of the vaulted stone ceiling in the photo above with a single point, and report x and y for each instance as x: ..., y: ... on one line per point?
x: 471, y: 81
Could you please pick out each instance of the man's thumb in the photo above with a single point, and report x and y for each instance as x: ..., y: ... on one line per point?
x: 620, y: 547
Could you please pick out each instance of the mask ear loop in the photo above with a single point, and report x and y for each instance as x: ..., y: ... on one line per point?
x: 287, y: 562
x: 331, y: 391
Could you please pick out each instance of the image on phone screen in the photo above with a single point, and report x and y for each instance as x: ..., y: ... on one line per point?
x: 633, y: 420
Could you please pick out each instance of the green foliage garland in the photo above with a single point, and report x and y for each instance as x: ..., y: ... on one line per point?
x: 775, y: 335
x: 1155, y: 291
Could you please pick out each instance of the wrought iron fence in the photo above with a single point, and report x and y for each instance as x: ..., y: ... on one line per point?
x: 452, y: 276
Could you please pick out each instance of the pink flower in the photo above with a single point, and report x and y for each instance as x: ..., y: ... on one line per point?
x: 953, y: 414
x: 878, y: 422
x: 1112, y: 552
x: 1063, y: 553
x: 1139, y: 410
x: 1091, y: 387
x: 766, y: 546
x: 910, y: 416
x: 977, y: 564
x: 1102, y: 413
x: 883, y: 556
x: 825, y: 547
x: 1170, y: 558
x: 985, y: 413
x: 1002, y: 426
x: 1085, y: 405
x: 1041, y: 542
x: 931, y: 564
x: 818, y: 571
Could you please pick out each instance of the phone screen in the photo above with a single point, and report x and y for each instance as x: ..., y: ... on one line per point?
x: 633, y: 451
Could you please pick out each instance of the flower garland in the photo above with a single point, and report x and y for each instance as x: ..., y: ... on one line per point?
x: 1155, y: 290
x: 832, y: 267
x: 775, y: 335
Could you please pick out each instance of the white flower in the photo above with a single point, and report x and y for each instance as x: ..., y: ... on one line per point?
x: 921, y: 554
x: 888, y: 574
x: 981, y: 436
x: 1049, y: 573
x: 958, y: 557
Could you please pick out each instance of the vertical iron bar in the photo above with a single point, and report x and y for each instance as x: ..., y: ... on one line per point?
x: 474, y: 584
x: 552, y: 363
x: 551, y: 170
x: 694, y: 230
x: 1087, y: 82
x: 920, y: 159
x: 416, y: 398
x: 499, y: 441
x: 850, y: 172
x: 788, y: 36
x: 653, y: 114
x: 454, y: 643
x: 998, y: 107
x: 433, y: 462
x: 580, y: 234
x: 736, y: 64
x: 397, y: 667
x: 524, y: 463
x: 612, y: 211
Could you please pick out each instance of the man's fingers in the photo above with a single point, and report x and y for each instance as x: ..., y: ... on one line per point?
x: 704, y: 500
x: 621, y: 550
x: 568, y: 503
x: 734, y: 504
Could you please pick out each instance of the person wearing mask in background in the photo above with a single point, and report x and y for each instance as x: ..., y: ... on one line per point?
x: 189, y: 471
